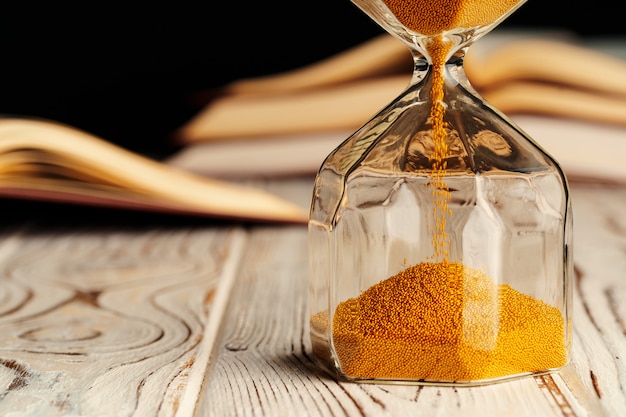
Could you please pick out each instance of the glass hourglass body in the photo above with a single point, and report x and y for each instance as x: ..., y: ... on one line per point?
x: 440, y: 233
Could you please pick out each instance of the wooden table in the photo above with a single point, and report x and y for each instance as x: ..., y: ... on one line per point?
x: 137, y: 315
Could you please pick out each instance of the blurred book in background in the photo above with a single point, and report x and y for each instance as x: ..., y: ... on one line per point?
x: 287, y: 123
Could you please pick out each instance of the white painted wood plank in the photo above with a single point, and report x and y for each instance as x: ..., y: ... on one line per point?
x: 230, y: 268
x: 109, y: 322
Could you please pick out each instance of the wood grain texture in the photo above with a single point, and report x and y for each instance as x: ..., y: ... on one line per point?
x: 108, y: 323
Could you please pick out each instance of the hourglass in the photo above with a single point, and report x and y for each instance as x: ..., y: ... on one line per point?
x: 440, y: 233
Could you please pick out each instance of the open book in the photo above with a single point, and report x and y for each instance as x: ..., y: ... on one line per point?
x: 517, y: 72
x: 294, y: 119
x: 45, y: 160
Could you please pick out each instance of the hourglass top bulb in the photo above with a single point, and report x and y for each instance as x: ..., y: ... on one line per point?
x: 430, y: 18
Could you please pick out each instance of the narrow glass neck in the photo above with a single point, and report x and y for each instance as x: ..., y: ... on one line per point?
x: 450, y: 66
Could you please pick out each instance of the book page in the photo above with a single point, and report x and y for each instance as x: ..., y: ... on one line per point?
x: 47, y: 160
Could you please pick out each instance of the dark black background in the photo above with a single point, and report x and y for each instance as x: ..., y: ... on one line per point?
x: 127, y: 73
